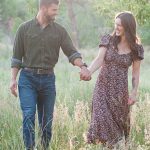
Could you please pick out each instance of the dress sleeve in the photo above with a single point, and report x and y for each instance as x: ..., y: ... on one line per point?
x: 105, y: 40
x: 140, y: 53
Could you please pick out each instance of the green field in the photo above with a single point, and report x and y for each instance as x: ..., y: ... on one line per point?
x: 73, y: 104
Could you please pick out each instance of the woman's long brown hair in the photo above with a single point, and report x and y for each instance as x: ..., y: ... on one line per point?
x: 129, y: 24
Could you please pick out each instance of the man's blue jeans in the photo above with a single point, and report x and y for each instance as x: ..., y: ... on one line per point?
x: 37, y: 90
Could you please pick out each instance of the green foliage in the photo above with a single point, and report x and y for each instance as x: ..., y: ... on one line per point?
x: 144, y: 32
x: 32, y: 8
x: 140, y: 8
x: 94, y: 17
x: 90, y: 25
x: 11, y: 9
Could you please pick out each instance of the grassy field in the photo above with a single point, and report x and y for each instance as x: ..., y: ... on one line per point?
x: 72, y: 109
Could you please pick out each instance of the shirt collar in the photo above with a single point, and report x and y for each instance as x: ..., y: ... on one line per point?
x: 37, y: 23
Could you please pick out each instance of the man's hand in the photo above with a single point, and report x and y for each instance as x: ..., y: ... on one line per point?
x: 85, y: 74
x: 13, y: 87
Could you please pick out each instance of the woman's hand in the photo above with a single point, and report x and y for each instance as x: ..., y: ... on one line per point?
x: 132, y: 99
x: 85, y: 74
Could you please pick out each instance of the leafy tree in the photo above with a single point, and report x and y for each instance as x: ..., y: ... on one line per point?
x: 140, y: 9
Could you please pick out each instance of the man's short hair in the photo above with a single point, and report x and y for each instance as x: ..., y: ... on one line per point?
x: 48, y: 2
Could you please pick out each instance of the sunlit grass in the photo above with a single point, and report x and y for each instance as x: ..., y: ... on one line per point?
x: 72, y: 109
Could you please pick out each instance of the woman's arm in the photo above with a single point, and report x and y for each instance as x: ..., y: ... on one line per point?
x: 98, y: 61
x: 135, y: 81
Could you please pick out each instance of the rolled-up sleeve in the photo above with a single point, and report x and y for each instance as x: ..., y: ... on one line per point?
x: 68, y: 47
x: 18, y: 48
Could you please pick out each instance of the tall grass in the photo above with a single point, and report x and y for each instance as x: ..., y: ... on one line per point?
x: 72, y: 109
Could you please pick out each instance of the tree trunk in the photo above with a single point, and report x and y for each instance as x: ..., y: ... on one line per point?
x: 9, y: 29
x: 73, y: 21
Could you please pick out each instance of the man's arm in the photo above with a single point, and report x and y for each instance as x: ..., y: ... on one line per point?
x: 13, y: 82
x: 16, y: 61
x: 73, y: 55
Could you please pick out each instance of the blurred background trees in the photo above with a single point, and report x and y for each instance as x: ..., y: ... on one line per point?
x: 85, y: 20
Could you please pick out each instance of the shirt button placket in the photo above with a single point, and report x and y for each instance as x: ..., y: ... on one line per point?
x: 42, y: 51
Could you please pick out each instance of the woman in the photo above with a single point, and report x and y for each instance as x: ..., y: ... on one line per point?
x: 110, y: 121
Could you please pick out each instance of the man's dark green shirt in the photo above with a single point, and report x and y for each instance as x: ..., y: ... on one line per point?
x: 35, y: 47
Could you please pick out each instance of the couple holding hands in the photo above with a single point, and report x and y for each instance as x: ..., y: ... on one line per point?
x: 35, y: 53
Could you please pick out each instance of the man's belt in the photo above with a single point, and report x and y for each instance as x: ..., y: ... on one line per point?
x: 39, y: 70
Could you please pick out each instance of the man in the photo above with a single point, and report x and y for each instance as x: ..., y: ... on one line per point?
x: 35, y: 52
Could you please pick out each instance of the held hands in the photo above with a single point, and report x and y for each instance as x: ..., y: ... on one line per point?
x: 85, y: 74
